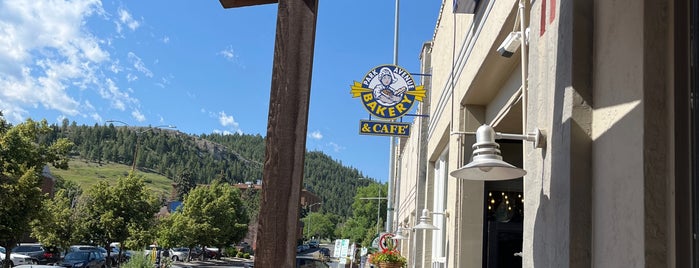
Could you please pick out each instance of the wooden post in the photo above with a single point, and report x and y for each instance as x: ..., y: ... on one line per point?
x: 286, y: 134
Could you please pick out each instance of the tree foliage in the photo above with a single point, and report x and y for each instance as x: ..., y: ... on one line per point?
x: 119, y: 212
x: 319, y: 225
x: 23, y: 155
x: 58, y: 224
x: 210, y: 215
x: 200, y: 159
x: 368, y: 214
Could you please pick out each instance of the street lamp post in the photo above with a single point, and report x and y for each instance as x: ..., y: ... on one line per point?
x: 138, y: 136
x: 378, y: 208
x: 308, y: 232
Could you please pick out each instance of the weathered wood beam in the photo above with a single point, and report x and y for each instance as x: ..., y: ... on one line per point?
x: 286, y: 134
x: 244, y: 3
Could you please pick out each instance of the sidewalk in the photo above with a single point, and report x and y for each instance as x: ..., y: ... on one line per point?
x: 226, y: 261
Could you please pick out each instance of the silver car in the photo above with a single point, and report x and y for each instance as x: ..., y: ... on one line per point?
x: 16, y: 259
x: 179, y: 254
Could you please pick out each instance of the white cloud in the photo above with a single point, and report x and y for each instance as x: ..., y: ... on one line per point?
x: 125, y: 18
x: 165, y: 81
x: 131, y: 77
x: 118, y: 98
x: 335, y: 147
x: 316, y: 135
x: 223, y: 132
x: 228, y: 53
x: 96, y: 117
x: 166, y: 39
x: 226, y: 120
x: 115, y: 67
x: 138, y: 115
x: 139, y: 65
x: 47, y: 53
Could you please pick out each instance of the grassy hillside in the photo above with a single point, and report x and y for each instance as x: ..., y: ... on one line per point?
x: 88, y: 174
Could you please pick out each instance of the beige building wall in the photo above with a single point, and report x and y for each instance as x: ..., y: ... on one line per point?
x: 600, y: 86
x: 596, y: 196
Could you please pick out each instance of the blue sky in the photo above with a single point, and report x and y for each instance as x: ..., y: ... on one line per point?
x: 198, y: 66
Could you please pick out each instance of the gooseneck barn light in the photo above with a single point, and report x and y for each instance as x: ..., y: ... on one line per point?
x: 487, y: 163
x: 399, y: 233
x: 425, y: 221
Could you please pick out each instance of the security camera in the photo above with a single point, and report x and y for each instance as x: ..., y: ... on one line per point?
x: 510, y: 45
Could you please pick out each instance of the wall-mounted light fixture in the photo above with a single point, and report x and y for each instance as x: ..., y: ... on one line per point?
x: 425, y: 221
x: 399, y: 233
x: 487, y: 164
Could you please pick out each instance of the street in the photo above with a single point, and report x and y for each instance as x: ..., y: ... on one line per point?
x: 239, y: 263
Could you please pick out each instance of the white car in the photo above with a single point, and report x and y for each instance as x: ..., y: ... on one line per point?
x: 16, y: 259
x: 179, y: 254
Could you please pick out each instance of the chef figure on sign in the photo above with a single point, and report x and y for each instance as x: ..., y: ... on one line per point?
x: 384, y: 92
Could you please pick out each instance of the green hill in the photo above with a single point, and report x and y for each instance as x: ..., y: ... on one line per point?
x: 87, y: 174
x: 105, y: 152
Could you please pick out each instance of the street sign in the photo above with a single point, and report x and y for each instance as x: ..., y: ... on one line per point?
x: 338, y: 248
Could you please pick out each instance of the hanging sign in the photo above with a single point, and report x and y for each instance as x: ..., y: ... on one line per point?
x: 388, y: 91
x: 384, y: 128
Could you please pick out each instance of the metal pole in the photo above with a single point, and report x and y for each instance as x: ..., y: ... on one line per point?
x: 378, y: 212
x: 391, y: 158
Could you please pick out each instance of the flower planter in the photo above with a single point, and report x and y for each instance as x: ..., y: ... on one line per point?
x: 390, y: 265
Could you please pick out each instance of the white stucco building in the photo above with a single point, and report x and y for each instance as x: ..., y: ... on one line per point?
x: 610, y: 84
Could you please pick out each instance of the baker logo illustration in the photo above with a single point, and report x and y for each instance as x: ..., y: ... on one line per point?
x: 387, y: 91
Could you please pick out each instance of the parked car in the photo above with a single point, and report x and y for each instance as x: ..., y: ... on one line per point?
x: 125, y: 255
x: 309, y: 262
x: 83, y: 259
x: 314, y: 243
x: 15, y: 259
x: 39, y: 253
x: 211, y: 253
x: 179, y: 254
x: 113, y: 256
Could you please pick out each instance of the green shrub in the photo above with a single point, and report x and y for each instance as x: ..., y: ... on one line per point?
x: 240, y: 255
x: 230, y: 252
x: 138, y: 260
x: 246, y: 255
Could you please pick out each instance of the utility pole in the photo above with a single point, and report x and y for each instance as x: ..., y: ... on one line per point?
x: 378, y: 209
x: 286, y: 130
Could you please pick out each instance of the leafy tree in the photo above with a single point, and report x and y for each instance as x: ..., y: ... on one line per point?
x: 363, y: 223
x: 318, y: 225
x: 180, y: 230
x: 184, y: 183
x: 58, y: 223
x: 22, y: 158
x: 115, y: 213
x: 218, y: 212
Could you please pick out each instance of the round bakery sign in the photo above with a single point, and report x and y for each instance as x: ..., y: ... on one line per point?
x: 388, y: 91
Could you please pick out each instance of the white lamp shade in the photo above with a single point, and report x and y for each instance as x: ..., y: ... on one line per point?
x: 399, y: 234
x: 488, y: 170
x: 425, y: 222
x: 487, y: 164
